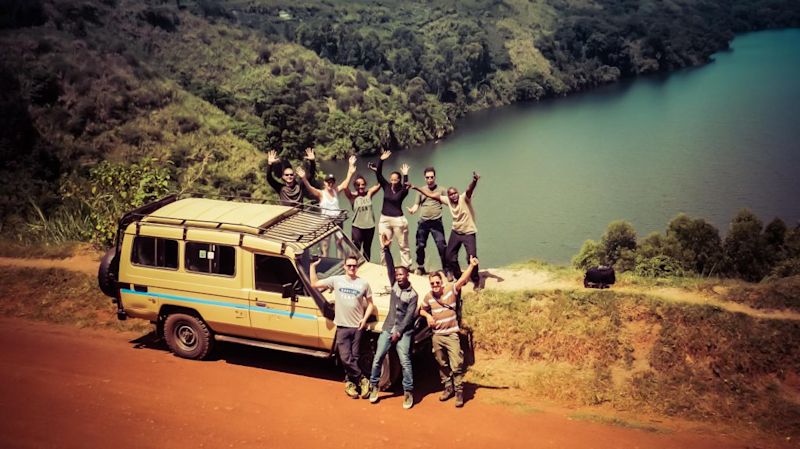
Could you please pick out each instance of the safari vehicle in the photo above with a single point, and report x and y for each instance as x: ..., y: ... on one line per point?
x: 205, y: 270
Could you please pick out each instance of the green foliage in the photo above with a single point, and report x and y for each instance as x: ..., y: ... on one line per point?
x: 659, y: 265
x: 114, y: 189
x: 619, y: 242
x: 590, y: 255
x: 745, y: 254
x: 699, y: 245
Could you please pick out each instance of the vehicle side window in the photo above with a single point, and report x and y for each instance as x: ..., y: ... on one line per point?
x: 210, y: 258
x: 273, y: 272
x: 155, y: 252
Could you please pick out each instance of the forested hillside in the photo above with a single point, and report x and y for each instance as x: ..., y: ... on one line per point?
x: 107, y: 103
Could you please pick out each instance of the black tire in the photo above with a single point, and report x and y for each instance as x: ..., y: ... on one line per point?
x: 187, y: 336
x: 108, y: 273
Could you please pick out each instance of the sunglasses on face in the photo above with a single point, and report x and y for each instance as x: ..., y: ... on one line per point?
x: 429, y: 177
x: 351, y: 265
x: 436, y: 282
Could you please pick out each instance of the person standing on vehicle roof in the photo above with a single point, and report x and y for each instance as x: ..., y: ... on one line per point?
x: 363, y: 227
x: 430, y: 221
x: 464, y: 231
x: 392, y: 221
x: 328, y: 198
x: 353, y: 306
x: 441, y: 308
x: 290, y: 192
x: 398, y: 327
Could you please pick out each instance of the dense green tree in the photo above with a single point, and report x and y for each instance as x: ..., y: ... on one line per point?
x: 699, y: 242
x: 744, y: 248
x: 618, y: 242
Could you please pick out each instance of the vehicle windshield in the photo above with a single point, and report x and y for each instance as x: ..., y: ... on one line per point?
x: 332, y: 250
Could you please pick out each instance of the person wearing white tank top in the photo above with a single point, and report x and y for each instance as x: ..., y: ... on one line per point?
x: 328, y: 198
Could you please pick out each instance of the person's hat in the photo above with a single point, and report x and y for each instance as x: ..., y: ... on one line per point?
x: 330, y: 177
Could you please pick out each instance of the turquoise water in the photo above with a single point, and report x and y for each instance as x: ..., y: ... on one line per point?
x: 706, y: 141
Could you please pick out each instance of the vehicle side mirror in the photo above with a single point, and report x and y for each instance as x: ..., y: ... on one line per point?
x: 289, y: 292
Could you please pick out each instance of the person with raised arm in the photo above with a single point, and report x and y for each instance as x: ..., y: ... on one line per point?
x: 363, y: 227
x: 392, y: 221
x: 328, y: 198
x: 464, y: 231
x: 430, y: 221
x: 440, y: 307
x: 290, y: 192
x: 398, y: 327
x: 352, y: 297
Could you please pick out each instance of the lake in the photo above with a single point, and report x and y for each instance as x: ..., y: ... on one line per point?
x: 705, y: 141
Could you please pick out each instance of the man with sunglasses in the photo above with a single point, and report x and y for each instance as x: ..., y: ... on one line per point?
x: 353, y: 306
x: 290, y: 191
x: 464, y: 231
x: 441, y: 308
x: 430, y: 220
x: 398, y: 327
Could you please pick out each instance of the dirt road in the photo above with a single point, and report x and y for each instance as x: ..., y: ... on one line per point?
x: 69, y: 388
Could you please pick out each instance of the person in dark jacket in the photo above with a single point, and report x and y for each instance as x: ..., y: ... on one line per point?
x: 398, y: 327
x: 290, y: 191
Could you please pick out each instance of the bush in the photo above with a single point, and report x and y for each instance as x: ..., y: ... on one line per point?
x: 619, y: 236
x: 658, y: 266
x: 700, y: 247
x: 744, y: 249
x: 590, y: 255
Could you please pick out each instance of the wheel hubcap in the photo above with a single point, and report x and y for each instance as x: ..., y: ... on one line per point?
x: 187, y: 338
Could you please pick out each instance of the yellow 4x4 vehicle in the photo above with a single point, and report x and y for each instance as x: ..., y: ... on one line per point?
x: 205, y: 270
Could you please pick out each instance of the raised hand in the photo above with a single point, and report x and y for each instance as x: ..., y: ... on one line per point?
x: 476, y: 176
x: 272, y: 157
x: 385, y: 240
x: 300, y: 172
x: 404, y: 169
x: 352, y: 162
x: 385, y: 155
x: 316, y: 262
x: 309, y: 154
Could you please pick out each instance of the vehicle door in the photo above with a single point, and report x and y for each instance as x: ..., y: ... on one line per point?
x: 281, y: 309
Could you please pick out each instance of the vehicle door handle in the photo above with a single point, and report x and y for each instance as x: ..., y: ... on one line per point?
x: 261, y: 304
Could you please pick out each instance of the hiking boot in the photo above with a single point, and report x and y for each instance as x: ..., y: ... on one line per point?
x: 459, y: 399
x: 351, y: 390
x: 373, y: 394
x: 447, y: 393
x: 365, y: 388
x: 408, y: 400
x: 420, y: 271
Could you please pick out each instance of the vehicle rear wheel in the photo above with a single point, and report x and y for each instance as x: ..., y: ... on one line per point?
x: 187, y: 336
x: 107, y: 273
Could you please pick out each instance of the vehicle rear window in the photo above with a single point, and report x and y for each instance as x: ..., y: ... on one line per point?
x: 155, y: 252
x: 210, y: 258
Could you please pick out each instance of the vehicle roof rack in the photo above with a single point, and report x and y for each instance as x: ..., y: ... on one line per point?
x: 301, y: 226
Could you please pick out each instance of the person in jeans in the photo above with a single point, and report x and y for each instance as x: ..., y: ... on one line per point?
x: 392, y: 221
x: 464, y: 231
x: 440, y: 308
x: 290, y: 192
x: 363, y: 227
x: 398, y: 327
x: 430, y: 220
x: 352, y: 307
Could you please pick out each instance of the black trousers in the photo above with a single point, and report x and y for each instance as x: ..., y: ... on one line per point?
x: 362, y: 238
x: 348, y: 344
x: 454, y: 243
x: 436, y: 229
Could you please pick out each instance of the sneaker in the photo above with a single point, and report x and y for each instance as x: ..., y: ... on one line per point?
x: 365, y: 388
x: 476, y: 287
x: 351, y: 390
x: 408, y: 400
x: 420, y: 271
x: 459, y: 399
x: 447, y: 393
x: 373, y: 394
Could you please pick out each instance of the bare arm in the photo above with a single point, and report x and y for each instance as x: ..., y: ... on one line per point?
x: 350, y: 172
x: 373, y: 190
x: 471, y: 186
x: 433, y: 196
x: 312, y: 274
x: 370, y: 308
x: 311, y: 189
x: 473, y: 262
x: 272, y: 159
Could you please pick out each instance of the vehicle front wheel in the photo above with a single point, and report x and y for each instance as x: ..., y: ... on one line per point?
x: 187, y: 336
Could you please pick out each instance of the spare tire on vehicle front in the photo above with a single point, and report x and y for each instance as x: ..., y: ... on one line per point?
x: 108, y: 272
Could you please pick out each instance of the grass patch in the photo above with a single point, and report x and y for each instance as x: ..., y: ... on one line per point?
x: 59, y: 296
x: 9, y: 248
x: 783, y: 293
x: 638, y: 353
x: 560, y: 271
x: 614, y: 421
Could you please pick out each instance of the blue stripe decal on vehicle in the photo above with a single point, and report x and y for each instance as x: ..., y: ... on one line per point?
x: 221, y: 304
